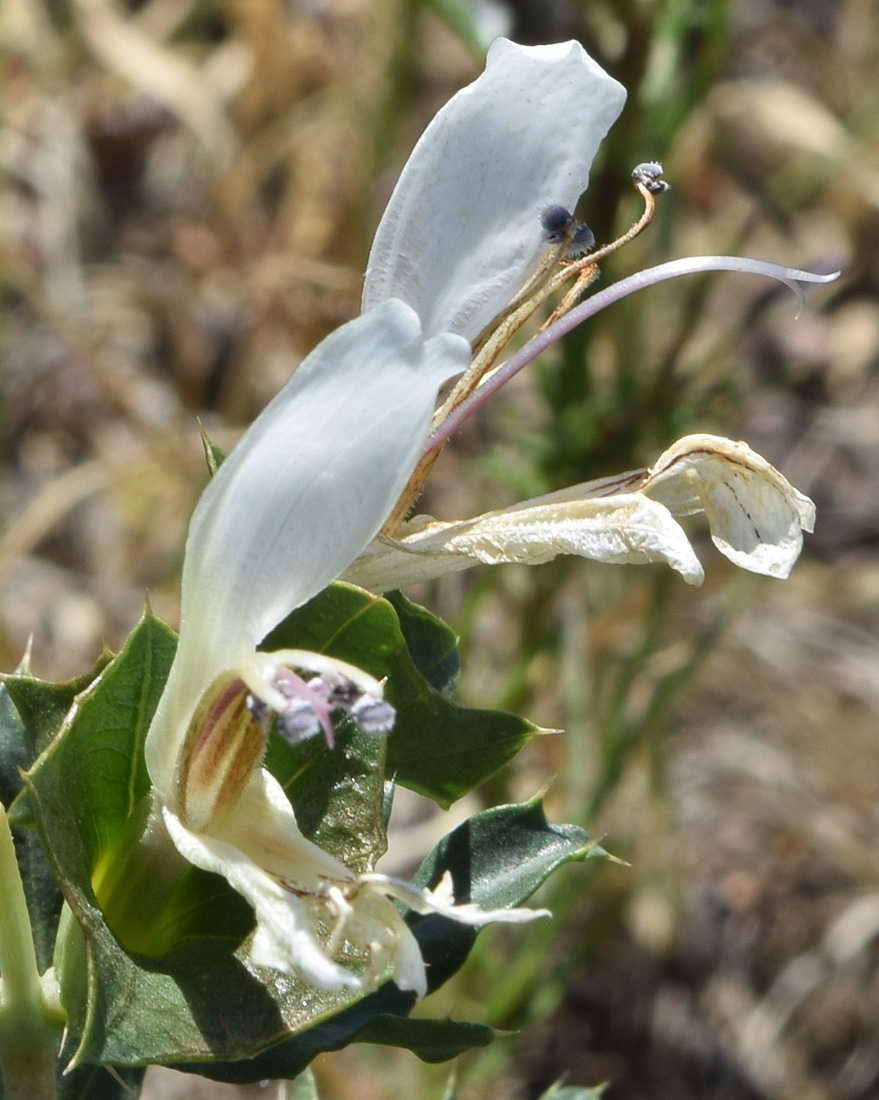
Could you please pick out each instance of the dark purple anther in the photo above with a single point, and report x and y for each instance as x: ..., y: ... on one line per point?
x: 343, y: 693
x: 582, y: 242
x: 557, y: 223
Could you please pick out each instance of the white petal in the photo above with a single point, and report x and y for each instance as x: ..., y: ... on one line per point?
x: 289, y: 881
x: 284, y: 939
x: 626, y: 527
x: 462, y: 231
x: 442, y: 901
x: 408, y: 964
x: 376, y: 927
x: 756, y: 516
x: 304, y: 491
x: 263, y: 827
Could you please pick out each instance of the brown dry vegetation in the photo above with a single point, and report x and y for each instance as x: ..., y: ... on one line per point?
x: 187, y: 195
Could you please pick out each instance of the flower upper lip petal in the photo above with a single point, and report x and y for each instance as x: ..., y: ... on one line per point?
x: 461, y: 232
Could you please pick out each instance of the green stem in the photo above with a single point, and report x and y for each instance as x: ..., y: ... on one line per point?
x: 27, y: 1024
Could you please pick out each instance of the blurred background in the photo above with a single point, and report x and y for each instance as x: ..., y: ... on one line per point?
x: 188, y: 190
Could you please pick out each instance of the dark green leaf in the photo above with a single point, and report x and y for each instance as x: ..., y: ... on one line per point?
x: 380, y: 1018
x: 432, y: 644
x: 31, y: 713
x: 202, y: 999
x: 94, y: 772
x: 436, y: 748
x: 41, y: 891
x: 16, y: 749
x: 497, y: 858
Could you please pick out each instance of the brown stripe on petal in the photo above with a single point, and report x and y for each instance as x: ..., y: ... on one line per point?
x: 224, y: 743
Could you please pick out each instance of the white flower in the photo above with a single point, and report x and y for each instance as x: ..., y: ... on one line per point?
x: 308, y: 487
x: 300, y: 500
x: 756, y: 519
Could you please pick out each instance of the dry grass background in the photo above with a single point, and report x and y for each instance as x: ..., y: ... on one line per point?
x: 187, y: 193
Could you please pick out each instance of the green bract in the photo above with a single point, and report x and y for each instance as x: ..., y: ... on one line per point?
x: 161, y: 972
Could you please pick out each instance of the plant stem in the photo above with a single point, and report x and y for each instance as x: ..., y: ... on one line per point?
x: 27, y: 1027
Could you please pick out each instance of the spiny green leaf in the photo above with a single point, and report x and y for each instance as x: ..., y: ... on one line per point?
x: 430, y: 1040
x: 432, y: 644
x: 497, y: 858
x: 203, y: 999
x: 41, y: 891
x: 31, y: 713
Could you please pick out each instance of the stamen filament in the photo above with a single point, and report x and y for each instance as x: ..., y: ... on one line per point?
x: 688, y: 265
x: 543, y: 282
x: 588, y: 265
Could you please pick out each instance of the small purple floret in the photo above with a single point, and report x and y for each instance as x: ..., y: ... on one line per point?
x: 298, y: 722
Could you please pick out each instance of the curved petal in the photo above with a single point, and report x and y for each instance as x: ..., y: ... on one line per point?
x: 625, y: 527
x: 756, y: 516
x: 284, y: 938
x: 462, y: 232
x: 304, y: 491
x: 263, y: 827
